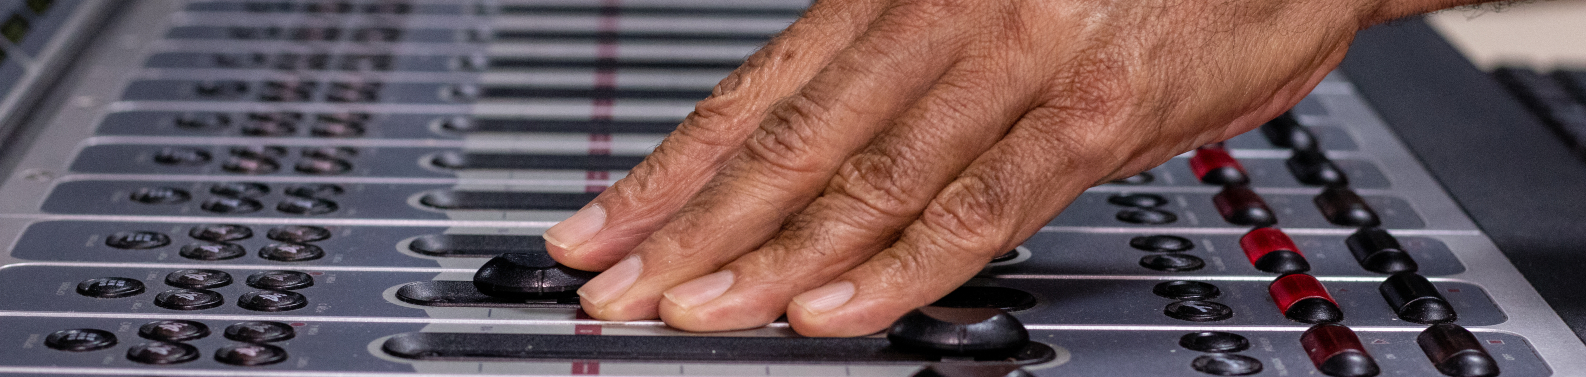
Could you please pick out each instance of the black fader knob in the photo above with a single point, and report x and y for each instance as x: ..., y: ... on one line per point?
x: 249, y: 354
x: 527, y: 275
x: 956, y: 369
x: 1287, y: 132
x: 272, y: 301
x: 1186, y: 290
x: 80, y: 340
x: 198, y: 278
x: 1161, y: 243
x: 1214, y: 341
x: 111, y: 287
x: 298, y: 233
x: 1198, y: 311
x: 1138, y: 200
x: 1456, y: 352
x: 173, y: 330
x: 220, y: 232
x: 1341, y: 206
x: 959, y: 331
x: 1378, y: 251
x: 259, y: 331
x: 1311, y: 167
x: 1240, y: 206
x: 137, y: 240
x: 1415, y: 299
x: 306, y: 206
x: 188, y: 299
x: 1148, y: 216
x: 1226, y: 364
x: 291, y: 252
x: 280, y: 280
x: 160, y: 195
x: 1336, y: 351
x: 162, y: 353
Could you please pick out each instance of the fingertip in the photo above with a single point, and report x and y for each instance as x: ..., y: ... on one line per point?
x: 577, y: 229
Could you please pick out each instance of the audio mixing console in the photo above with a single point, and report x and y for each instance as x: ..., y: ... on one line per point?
x: 309, y: 187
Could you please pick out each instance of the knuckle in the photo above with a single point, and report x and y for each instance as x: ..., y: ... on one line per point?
x: 788, y: 135
x: 877, y: 183
x: 969, y: 215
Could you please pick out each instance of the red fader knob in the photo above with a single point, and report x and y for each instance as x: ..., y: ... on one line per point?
x: 1272, y: 251
x: 1301, y: 298
x: 1212, y: 164
x: 1337, y: 352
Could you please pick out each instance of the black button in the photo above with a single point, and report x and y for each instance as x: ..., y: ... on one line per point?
x: 1240, y: 206
x: 1146, y: 216
x: 173, y: 330
x: 1139, y: 200
x: 198, y: 279
x: 1415, y: 299
x: 231, y: 205
x: 212, y: 251
x: 269, y: 128
x: 528, y: 275
x: 202, y: 121
x: 298, y: 233
x: 188, y: 299
x: 337, y: 130
x: 314, y: 190
x: 1222, y: 364
x: 1378, y: 251
x: 249, y: 354
x: 1172, y: 262
x: 959, y: 331
x: 220, y: 232
x: 80, y: 340
x: 111, y: 287
x: 291, y: 252
x: 160, y: 195
x: 162, y: 353
x: 1311, y: 167
x: 1214, y: 341
x: 306, y: 206
x: 280, y: 280
x: 137, y: 240
x: 1286, y: 132
x: 239, y: 189
x: 1186, y: 290
x: 1010, y: 255
x: 1341, y: 206
x: 272, y: 301
x: 1198, y: 311
x: 1456, y: 352
x: 182, y: 156
x: 330, y: 152
x: 259, y: 332
x: 245, y: 165
x: 1144, y: 178
x: 322, y: 166
x: 1161, y: 243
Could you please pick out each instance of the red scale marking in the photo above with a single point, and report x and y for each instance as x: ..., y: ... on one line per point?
x: 601, y: 110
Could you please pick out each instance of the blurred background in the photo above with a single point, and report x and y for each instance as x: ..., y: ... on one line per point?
x: 1542, y: 35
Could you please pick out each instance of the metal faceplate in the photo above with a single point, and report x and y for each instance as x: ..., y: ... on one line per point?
x: 396, y: 102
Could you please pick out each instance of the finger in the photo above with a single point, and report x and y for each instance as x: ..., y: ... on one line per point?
x: 626, y: 213
x: 874, y: 195
x: 1003, y: 197
x: 784, y: 164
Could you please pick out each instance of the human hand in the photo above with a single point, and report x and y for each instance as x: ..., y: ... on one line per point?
x: 878, y: 153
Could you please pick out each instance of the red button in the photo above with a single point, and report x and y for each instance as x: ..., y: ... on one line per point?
x: 1272, y: 251
x: 1301, y: 298
x: 1212, y: 164
x: 1336, y: 351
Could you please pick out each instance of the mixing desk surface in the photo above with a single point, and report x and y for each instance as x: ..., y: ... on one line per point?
x: 199, y: 187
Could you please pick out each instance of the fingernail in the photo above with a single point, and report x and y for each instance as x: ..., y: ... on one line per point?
x: 825, y: 298
x: 701, y: 290
x: 574, y: 231
x: 612, y: 283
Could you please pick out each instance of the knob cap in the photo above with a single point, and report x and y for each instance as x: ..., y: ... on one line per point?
x: 528, y: 275
x: 959, y: 331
